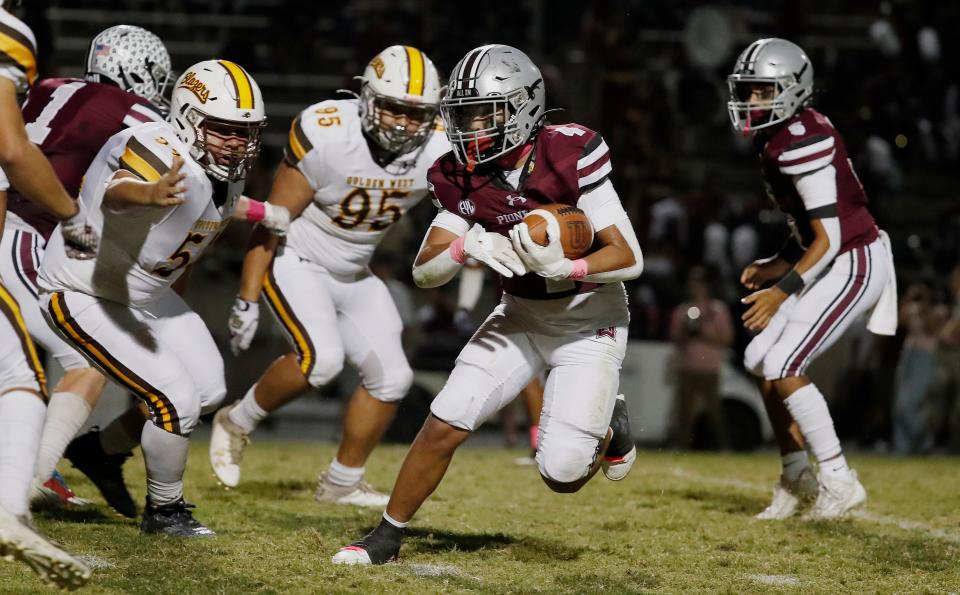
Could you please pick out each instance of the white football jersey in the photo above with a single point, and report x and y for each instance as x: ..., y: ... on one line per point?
x: 355, y: 199
x: 143, y: 250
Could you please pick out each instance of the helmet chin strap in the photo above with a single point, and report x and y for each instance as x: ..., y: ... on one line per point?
x: 746, y: 129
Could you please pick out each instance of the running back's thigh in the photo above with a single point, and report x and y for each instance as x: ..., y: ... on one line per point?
x: 491, y: 370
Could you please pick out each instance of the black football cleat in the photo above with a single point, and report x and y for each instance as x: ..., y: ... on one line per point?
x: 104, y: 470
x: 622, y: 452
x: 174, y: 519
x: 382, y: 545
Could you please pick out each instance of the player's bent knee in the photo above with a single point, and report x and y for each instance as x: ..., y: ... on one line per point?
x: 328, y: 364
x: 391, y: 386
x: 565, y: 468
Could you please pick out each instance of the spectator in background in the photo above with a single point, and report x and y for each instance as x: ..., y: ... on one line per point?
x: 701, y: 330
x: 923, y: 319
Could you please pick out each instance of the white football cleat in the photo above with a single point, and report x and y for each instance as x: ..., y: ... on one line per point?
x: 54, y: 566
x: 359, y: 494
x: 227, y: 441
x: 836, y: 498
x: 788, y: 495
x: 352, y: 555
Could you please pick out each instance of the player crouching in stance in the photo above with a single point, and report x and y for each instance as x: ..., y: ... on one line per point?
x: 835, y: 266
x: 159, y: 193
x: 351, y: 169
x: 567, y: 317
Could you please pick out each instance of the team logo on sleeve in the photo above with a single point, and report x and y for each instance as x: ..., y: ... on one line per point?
x: 466, y: 207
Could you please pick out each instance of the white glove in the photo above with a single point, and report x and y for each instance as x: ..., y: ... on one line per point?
x: 80, y: 240
x: 244, y: 317
x: 276, y: 219
x: 547, y: 261
x: 493, y: 250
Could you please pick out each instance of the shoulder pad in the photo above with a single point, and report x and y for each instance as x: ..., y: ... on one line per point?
x: 804, y: 144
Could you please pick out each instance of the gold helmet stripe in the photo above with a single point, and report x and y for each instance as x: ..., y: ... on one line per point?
x: 415, y: 71
x: 241, y: 84
x: 16, y: 50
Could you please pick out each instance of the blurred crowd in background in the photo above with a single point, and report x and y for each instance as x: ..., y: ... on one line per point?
x: 650, y: 76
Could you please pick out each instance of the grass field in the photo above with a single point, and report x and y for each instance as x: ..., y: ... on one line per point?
x: 679, y: 523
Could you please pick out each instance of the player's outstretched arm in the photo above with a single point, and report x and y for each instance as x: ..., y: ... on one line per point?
x: 290, y: 194
x: 435, y: 265
x: 126, y: 190
x: 25, y: 165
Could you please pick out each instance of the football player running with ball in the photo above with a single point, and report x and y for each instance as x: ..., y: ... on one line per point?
x: 159, y: 194
x: 568, y: 317
x: 351, y: 169
x: 834, y: 267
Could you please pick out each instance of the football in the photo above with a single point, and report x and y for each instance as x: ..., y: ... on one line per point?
x: 576, y: 233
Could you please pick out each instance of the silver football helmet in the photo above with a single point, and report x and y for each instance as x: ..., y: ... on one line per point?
x: 783, y: 66
x: 495, y: 102
x: 133, y: 59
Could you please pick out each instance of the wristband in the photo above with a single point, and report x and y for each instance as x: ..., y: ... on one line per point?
x: 791, y: 283
x: 456, y: 249
x: 256, y: 211
x: 579, y: 270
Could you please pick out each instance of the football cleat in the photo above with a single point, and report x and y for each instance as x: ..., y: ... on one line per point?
x: 622, y: 452
x: 789, y: 495
x: 836, y: 498
x: 174, y: 519
x: 227, y: 442
x: 104, y: 470
x: 380, y: 546
x: 54, y: 566
x: 359, y: 494
x: 55, y: 493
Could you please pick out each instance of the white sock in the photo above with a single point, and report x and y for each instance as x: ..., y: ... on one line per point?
x: 115, y: 439
x: 66, y: 414
x: 247, y: 414
x: 165, y: 455
x: 341, y: 475
x: 394, y: 521
x: 836, y: 467
x: 21, y: 424
x: 794, y: 463
x: 809, y: 409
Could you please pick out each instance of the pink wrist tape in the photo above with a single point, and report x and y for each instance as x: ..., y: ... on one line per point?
x: 256, y: 211
x: 579, y: 269
x: 456, y: 249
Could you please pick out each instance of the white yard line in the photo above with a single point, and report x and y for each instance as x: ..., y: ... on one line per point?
x: 776, y: 580
x: 863, y: 515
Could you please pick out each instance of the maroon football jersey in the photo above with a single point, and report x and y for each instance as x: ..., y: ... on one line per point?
x: 803, y: 144
x: 71, y: 120
x: 566, y: 161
